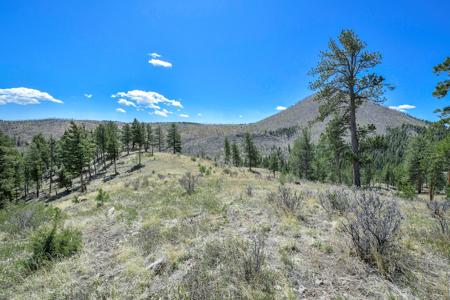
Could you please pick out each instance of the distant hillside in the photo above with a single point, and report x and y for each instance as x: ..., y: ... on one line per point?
x: 207, y: 139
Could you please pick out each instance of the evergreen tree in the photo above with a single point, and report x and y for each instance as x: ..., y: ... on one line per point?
x: 227, y: 151
x: 335, y: 131
x: 8, y: 154
x: 150, y: 139
x: 302, y: 155
x: 77, y: 151
x: 126, y: 137
x: 273, y: 162
x: 100, y: 140
x: 52, y: 164
x: 416, y: 161
x: 112, y: 143
x: 251, y: 152
x: 159, y: 140
x: 174, y: 139
x: 138, y: 138
x: 37, y: 159
x: 236, y: 156
x: 344, y: 81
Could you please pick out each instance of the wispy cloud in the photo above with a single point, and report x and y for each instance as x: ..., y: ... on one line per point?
x: 280, y: 108
x: 121, y: 110
x: 402, y: 107
x: 89, y: 96
x: 126, y: 102
x: 160, y: 63
x: 162, y: 113
x: 157, y: 62
x: 200, y: 115
x: 25, y: 96
x: 155, y: 55
x: 152, y: 102
x: 184, y: 116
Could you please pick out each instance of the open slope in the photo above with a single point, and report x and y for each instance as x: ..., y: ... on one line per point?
x: 151, y: 240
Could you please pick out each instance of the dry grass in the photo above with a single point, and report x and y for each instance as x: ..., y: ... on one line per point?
x: 152, y: 239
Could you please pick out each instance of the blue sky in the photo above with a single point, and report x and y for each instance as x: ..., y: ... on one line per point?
x: 213, y: 61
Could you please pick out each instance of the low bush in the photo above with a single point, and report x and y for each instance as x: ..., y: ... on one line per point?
x: 373, y: 226
x: 189, y: 182
x: 19, y: 218
x: 335, y: 200
x: 53, y: 243
x: 231, y: 268
x: 249, y: 190
x: 101, y: 198
x: 440, y: 212
x: 288, y: 200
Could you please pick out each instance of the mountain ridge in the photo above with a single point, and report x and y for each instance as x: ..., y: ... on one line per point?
x: 277, y: 130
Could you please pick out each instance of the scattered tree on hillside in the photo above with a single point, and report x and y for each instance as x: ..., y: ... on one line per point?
x: 173, y: 139
x: 112, y: 143
x: 8, y: 155
x: 150, y: 139
x: 251, y: 152
x: 416, y: 162
x: 345, y: 81
x: 273, y: 162
x: 236, y: 155
x: 126, y: 137
x: 227, y: 151
x: 159, y: 140
x: 302, y: 155
x: 137, y: 137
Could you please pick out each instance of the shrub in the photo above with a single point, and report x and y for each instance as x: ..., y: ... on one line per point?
x: 76, y: 199
x: 335, y: 200
x: 254, y: 258
x: 440, y: 211
x: 406, y: 191
x: 289, y: 201
x: 101, y: 197
x: 230, y: 268
x: 193, y: 158
x: 17, y: 218
x: 54, y: 243
x: 249, y: 190
x: 189, y: 182
x: 373, y: 226
x: 202, y: 169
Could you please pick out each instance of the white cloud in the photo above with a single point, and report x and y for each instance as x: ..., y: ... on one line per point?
x: 89, y: 96
x: 155, y: 55
x: 25, y: 96
x: 200, y: 115
x: 160, y: 63
x: 279, y: 107
x: 240, y: 116
x: 184, y: 116
x: 126, y: 102
x: 402, y: 107
x: 163, y: 113
x: 121, y: 110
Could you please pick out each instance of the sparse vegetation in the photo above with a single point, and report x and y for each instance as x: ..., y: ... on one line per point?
x: 373, y: 226
x: 189, y: 182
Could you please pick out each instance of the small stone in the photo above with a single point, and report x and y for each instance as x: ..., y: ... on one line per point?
x: 158, y: 265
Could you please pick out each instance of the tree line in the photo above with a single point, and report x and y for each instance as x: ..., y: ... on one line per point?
x: 79, y: 154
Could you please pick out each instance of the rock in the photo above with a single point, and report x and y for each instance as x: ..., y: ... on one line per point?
x: 158, y: 265
x: 111, y: 211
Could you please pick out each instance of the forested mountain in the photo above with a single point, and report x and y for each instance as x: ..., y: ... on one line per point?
x: 278, y: 130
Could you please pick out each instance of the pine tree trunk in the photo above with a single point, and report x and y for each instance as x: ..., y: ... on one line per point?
x: 115, y: 166
x: 355, y: 144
